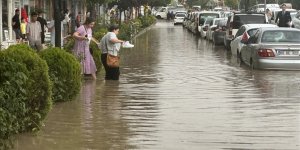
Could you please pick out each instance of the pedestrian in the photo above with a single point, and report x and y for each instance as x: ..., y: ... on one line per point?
x: 66, y: 23
x: 269, y: 15
x: 43, y: 23
x: 33, y: 32
x: 78, y: 20
x: 284, y: 17
x: 108, y: 44
x: 17, y: 25
x: 23, y: 28
x: 83, y: 37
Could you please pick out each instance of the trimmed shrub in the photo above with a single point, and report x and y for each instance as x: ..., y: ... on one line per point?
x: 37, y: 89
x: 13, y: 79
x: 147, y: 21
x: 65, y: 73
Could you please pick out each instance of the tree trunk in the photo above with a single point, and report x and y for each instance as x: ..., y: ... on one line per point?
x: 57, y: 22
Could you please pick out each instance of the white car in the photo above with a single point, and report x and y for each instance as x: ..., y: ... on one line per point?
x: 212, y: 27
x: 203, y: 29
x: 179, y: 17
x: 244, y: 32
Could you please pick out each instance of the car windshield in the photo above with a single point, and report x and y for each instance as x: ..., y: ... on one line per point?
x: 240, y: 20
x: 281, y: 36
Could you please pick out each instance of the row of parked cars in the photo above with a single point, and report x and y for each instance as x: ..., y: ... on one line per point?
x: 250, y: 37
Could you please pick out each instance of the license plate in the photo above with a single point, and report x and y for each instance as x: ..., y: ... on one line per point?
x: 288, y: 53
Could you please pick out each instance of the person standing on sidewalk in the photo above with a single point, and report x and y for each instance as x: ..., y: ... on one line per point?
x: 43, y: 23
x: 269, y: 15
x: 33, y: 31
x: 108, y: 45
x: 78, y: 20
x: 284, y: 17
x: 16, y: 24
x: 83, y: 37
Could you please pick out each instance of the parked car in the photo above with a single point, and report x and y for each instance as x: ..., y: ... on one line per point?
x: 219, y: 33
x: 162, y: 13
x: 272, y: 48
x: 204, y: 27
x: 245, y: 32
x: 237, y: 20
x: 202, y: 17
x: 212, y: 27
x: 179, y: 17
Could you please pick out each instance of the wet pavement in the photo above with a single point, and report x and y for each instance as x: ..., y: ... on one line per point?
x: 177, y: 92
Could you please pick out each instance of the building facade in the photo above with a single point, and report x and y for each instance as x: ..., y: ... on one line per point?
x: 8, y: 7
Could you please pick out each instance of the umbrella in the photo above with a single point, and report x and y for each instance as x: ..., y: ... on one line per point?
x: 24, y: 14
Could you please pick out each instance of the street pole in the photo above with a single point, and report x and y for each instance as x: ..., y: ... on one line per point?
x: 57, y: 22
x: 265, y: 6
x: 1, y: 25
x: 10, y: 11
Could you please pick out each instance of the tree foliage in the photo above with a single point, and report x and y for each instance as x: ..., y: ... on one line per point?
x: 232, y: 3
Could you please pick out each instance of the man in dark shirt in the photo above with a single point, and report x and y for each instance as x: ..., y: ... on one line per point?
x: 284, y: 17
x: 43, y: 23
x: 16, y: 25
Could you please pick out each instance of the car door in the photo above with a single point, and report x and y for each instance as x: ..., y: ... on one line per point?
x: 237, y: 39
x: 250, y: 48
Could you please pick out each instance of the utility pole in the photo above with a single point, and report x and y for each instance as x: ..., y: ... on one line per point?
x: 1, y: 25
x: 265, y: 6
x: 57, y: 22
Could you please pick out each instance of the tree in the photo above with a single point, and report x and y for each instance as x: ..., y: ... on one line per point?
x: 232, y: 3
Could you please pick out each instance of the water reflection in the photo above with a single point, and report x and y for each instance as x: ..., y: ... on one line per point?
x: 177, y: 91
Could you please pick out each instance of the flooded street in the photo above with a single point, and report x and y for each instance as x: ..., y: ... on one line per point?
x: 177, y: 92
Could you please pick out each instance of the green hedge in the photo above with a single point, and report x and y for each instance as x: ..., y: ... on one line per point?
x: 13, y: 79
x: 35, y: 99
x: 65, y: 73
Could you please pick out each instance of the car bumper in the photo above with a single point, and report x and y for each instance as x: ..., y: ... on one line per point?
x: 278, y: 64
x: 178, y: 21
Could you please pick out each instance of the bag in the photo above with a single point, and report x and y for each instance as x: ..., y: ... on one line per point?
x: 91, y: 51
x: 113, y: 61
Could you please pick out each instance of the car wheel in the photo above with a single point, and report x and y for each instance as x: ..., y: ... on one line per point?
x: 158, y: 17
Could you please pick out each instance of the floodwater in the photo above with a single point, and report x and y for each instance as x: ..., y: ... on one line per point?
x: 177, y: 92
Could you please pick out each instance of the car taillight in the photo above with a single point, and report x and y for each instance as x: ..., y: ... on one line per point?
x: 213, y: 28
x: 205, y: 28
x: 266, y: 53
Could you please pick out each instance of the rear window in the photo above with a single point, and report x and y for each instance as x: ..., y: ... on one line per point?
x: 261, y: 6
x: 239, y: 20
x: 207, y: 15
x: 281, y: 36
x: 180, y: 15
x: 217, y: 21
x: 222, y: 23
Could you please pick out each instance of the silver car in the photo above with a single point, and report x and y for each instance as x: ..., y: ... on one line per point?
x: 272, y: 48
